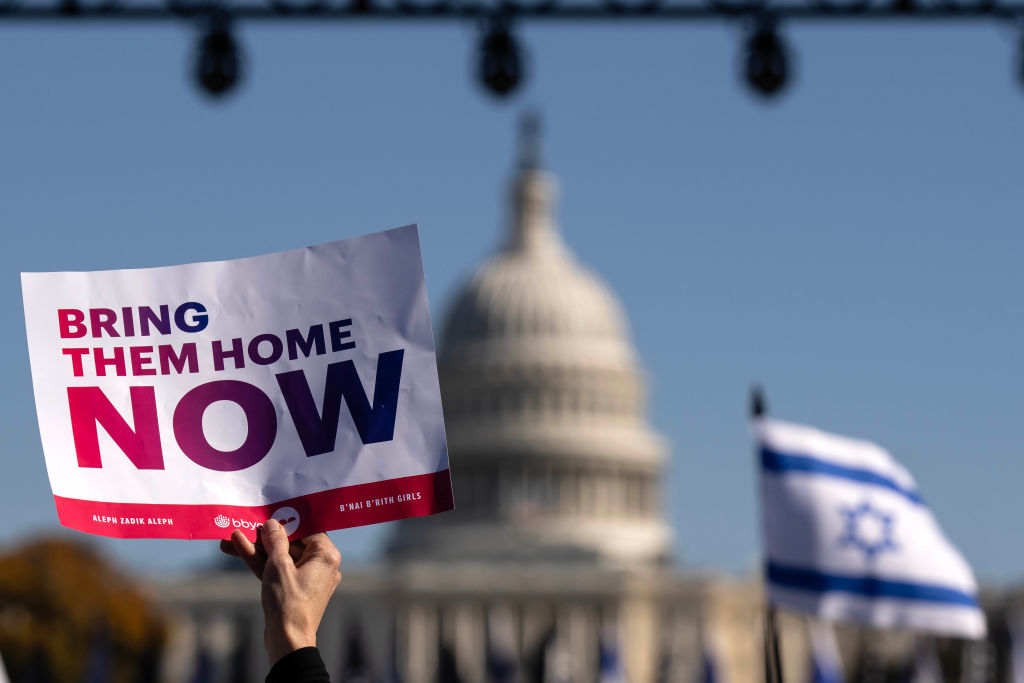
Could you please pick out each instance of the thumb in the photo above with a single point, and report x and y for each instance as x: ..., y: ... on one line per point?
x: 275, y: 540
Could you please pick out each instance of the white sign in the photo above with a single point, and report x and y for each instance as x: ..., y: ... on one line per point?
x: 187, y: 401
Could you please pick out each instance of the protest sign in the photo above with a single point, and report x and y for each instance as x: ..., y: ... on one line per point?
x: 188, y: 401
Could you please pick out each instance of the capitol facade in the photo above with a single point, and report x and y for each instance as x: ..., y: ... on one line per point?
x: 556, y: 565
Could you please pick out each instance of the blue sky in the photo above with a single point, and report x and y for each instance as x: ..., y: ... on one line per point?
x: 855, y: 247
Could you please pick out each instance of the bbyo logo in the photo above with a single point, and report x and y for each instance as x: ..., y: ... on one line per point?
x: 245, y: 524
x: 224, y: 522
x: 288, y: 517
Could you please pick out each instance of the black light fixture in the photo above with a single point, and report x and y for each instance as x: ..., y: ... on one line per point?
x: 766, y: 63
x: 501, y: 60
x: 218, y: 62
x: 1020, y: 60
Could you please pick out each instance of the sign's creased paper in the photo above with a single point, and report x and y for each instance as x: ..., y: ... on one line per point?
x: 187, y: 401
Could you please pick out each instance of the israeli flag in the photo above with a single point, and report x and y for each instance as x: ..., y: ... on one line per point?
x: 502, y: 661
x: 1015, y: 670
x: 826, y: 665
x: 925, y: 666
x: 708, y: 672
x: 609, y: 664
x: 848, y: 537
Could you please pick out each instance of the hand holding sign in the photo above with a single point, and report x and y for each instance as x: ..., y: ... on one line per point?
x: 300, y: 386
x: 298, y: 580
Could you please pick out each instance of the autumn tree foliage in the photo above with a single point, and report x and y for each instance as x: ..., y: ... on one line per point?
x: 67, y: 615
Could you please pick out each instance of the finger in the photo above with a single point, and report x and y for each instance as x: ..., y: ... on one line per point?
x: 259, y: 540
x: 320, y: 547
x: 227, y: 548
x: 247, y: 551
x: 275, y: 540
x: 296, y: 549
x: 243, y: 546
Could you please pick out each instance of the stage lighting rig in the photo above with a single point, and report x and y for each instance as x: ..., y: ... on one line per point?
x: 501, y: 59
x: 766, y: 63
x: 1020, y: 60
x: 218, y: 60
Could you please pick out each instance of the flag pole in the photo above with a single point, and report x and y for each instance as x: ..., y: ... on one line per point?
x: 772, y: 660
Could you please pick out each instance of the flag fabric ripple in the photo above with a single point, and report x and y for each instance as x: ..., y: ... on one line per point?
x: 847, y: 536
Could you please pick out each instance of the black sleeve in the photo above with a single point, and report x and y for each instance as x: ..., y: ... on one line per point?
x: 302, y: 666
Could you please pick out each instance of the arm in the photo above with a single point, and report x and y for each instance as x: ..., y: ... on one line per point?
x: 298, y: 581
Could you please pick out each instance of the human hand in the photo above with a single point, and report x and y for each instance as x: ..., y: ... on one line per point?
x: 298, y: 581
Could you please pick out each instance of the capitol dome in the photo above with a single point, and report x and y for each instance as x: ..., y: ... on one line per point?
x: 532, y: 297
x: 550, y: 451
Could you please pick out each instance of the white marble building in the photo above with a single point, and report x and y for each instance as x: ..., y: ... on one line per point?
x: 558, y: 541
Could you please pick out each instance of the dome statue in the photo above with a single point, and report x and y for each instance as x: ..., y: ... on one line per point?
x: 550, y: 451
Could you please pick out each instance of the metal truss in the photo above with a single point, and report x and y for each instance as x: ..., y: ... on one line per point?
x: 218, y: 63
x: 545, y: 10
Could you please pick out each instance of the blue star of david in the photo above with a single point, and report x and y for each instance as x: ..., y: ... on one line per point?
x: 852, y: 535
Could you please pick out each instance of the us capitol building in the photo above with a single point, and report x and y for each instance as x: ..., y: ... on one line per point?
x: 555, y: 566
